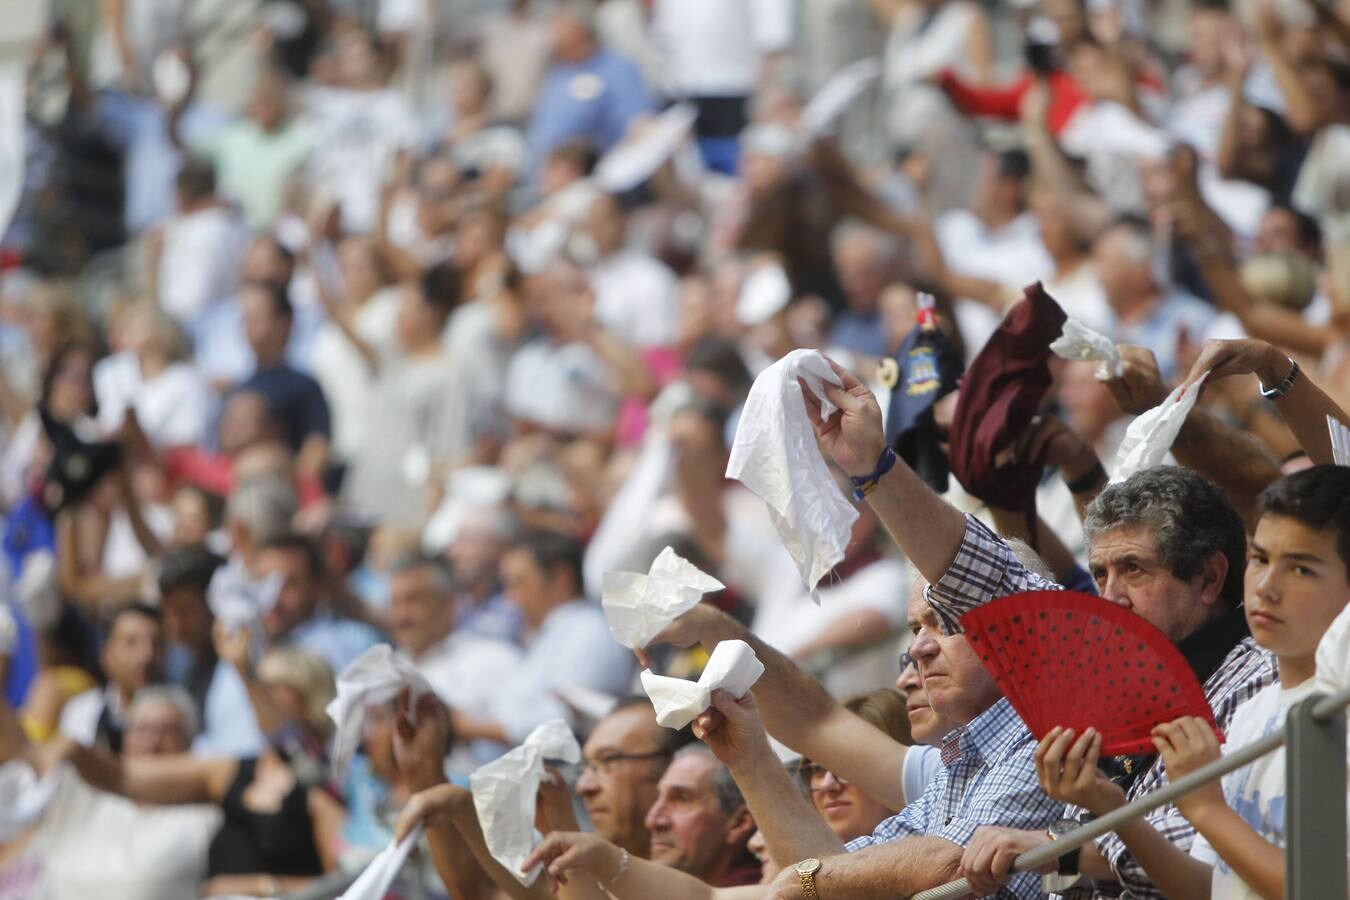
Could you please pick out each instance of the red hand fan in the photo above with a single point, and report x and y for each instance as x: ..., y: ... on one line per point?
x: 1078, y: 661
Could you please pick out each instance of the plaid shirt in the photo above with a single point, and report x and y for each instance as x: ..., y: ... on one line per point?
x: 988, y: 778
x: 985, y: 569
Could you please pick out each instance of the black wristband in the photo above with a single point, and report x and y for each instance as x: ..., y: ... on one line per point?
x: 1093, y: 477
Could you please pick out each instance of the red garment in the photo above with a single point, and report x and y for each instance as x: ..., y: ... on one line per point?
x: 1005, y: 102
x: 1000, y: 393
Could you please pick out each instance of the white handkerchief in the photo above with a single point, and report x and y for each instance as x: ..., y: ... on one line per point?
x: 1340, y: 442
x: 1151, y: 434
x: 733, y: 667
x: 638, y: 606
x: 638, y: 156
x: 375, y: 879
x: 376, y: 676
x: 237, y: 600
x: 1333, y: 655
x: 836, y: 95
x: 505, y: 791
x: 1077, y: 341
x: 23, y: 796
x: 764, y: 292
x: 775, y: 454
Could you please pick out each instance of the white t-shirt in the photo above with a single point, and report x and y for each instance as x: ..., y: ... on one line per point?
x: 564, y: 387
x: 93, y: 844
x: 1256, y: 792
x: 347, y: 381
x: 713, y: 47
x: 922, y: 765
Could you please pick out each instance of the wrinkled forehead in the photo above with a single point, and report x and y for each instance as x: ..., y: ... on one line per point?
x: 691, y: 772
x: 632, y: 729
x: 917, y: 611
x: 1122, y: 542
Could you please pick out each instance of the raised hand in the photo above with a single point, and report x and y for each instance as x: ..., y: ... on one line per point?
x: 1186, y: 745
x: 853, y: 434
x: 565, y: 851
x: 733, y: 730
x: 1140, y: 386
x: 704, y: 624
x: 1067, y: 769
x: 554, y: 810
x: 1240, y: 357
x: 432, y: 807
x: 422, y: 736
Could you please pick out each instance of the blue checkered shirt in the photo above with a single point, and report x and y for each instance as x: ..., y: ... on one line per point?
x: 988, y: 778
x: 985, y: 569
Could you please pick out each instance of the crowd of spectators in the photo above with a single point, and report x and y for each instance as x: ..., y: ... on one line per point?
x: 424, y: 315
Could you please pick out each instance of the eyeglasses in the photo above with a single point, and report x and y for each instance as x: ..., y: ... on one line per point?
x: 607, y: 764
x: 907, y: 660
x: 810, y: 771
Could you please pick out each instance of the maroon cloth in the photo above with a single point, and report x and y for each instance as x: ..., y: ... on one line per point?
x: 740, y: 876
x: 1000, y: 393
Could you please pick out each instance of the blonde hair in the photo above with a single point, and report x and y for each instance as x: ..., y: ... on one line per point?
x: 309, y: 676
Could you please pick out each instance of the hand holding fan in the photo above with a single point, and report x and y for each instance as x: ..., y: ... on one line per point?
x: 1078, y: 661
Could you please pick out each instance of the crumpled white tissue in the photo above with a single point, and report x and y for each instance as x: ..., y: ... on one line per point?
x: 776, y: 456
x: 237, y: 600
x: 505, y: 791
x: 375, y: 879
x: 23, y: 796
x: 1151, y: 434
x: 638, y: 606
x: 732, y: 667
x: 1077, y: 341
x: 376, y: 676
x: 836, y: 95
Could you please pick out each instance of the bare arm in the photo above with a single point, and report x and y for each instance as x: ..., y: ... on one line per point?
x: 175, y: 779
x: 902, y: 867
x: 1301, y: 111
x: 798, y: 710
x: 570, y: 857
x: 1052, y: 168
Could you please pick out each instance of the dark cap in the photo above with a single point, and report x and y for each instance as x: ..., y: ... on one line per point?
x: 927, y: 368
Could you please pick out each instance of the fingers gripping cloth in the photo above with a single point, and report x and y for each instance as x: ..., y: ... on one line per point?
x: 1079, y: 342
x: 1152, y: 433
x: 376, y: 676
x: 505, y: 793
x: 775, y: 455
x: 638, y: 606
x: 732, y: 667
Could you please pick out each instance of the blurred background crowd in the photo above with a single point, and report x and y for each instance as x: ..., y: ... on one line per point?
x: 428, y: 311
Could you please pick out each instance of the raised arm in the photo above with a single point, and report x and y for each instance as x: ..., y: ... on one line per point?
x: 1304, y: 406
x: 798, y: 710
x: 1303, y: 113
x: 569, y: 856
x: 1230, y: 458
x: 792, y: 830
x: 175, y: 779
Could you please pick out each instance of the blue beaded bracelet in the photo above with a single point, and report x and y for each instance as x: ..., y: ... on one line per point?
x: 868, y: 483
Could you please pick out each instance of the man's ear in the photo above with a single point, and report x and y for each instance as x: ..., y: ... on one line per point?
x: 1211, y: 578
x: 740, y: 825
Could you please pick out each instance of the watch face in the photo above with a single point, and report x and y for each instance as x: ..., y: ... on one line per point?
x: 808, y: 866
x: 1063, y: 827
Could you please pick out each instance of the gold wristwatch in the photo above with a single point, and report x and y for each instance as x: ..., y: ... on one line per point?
x: 806, y: 871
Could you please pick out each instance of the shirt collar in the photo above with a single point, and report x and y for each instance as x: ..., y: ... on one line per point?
x: 1207, y: 648
x: 994, y: 732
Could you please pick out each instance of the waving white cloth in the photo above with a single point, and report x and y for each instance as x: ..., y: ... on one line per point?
x: 836, y: 95
x: 237, y: 600
x: 638, y: 156
x: 775, y: 454
x: 765, y: 291
x: 376, y: 676
x: 375, y: 879
x: 23, y: 796
x: 505, y: 790
x: 1151, y: 434
x: 1077, y: 341
x: 732, y: 667
x: 638, y: 606
x: 1340, y: 442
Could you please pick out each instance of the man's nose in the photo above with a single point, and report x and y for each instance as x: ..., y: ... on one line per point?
x: 925, y: 645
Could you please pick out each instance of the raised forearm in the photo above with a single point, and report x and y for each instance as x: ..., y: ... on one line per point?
x: 928, y: 529
x: 792, y: 830
x: 465, y: 818
x: 1233, y: 459
x: 798, y: 711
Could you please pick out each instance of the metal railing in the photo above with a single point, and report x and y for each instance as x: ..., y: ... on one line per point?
x: 1315, y: 785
